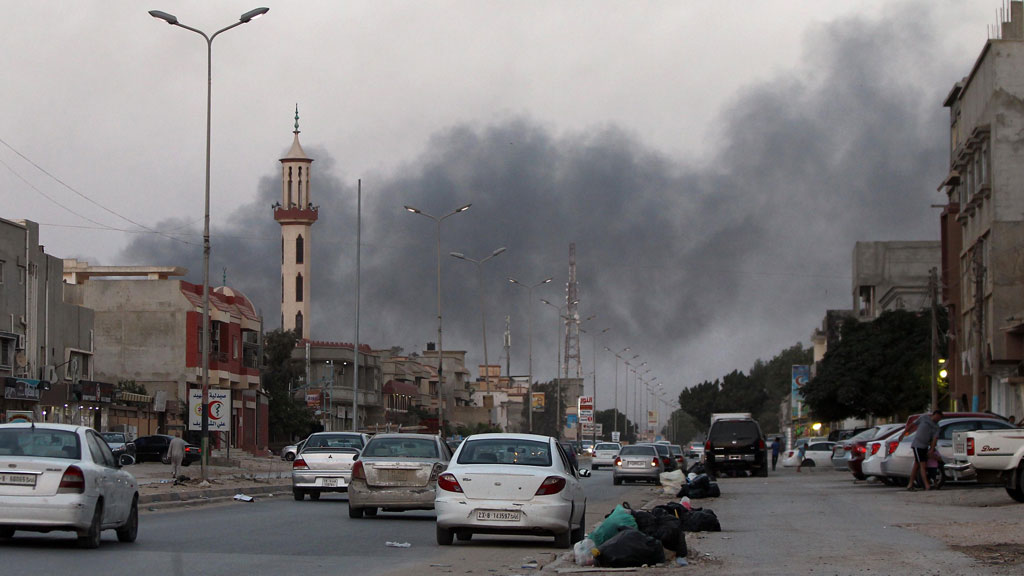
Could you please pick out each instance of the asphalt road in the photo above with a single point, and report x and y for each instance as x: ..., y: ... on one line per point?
x: 278, y: 535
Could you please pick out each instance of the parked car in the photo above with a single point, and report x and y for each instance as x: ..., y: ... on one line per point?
x: 288, y: 452
x: 875, y: 452
x: 842, y: 451
x: 677, y: 454
x: 695, y: 450
x: 859, y: 447
x: 817, y: 454
x: 63, y: 477
x: 119, y: 445
x: 638, y: 462
x: 992, y: 456
x: 154, y: 449
x: 735, y: 444
x: 840, y: 435
x: 900, y: 463
x: 396, y: 472
x: 604, y: 454
x: 325, y: 463
x: 510, y: 484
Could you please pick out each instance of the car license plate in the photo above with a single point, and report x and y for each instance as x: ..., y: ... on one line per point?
x: 18, y: 479
x: 329, y: 482
x: 635, y: 464
x: 394, y: 475
x: 499, y: 515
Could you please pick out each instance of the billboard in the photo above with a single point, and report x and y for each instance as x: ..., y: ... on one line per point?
x: 537, y: 401
x: 219, y: 409
x: 652, y: 418
x: 801, y: 375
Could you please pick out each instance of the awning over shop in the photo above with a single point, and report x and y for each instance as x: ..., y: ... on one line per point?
x: 133, y: 397
x: 399, y: 387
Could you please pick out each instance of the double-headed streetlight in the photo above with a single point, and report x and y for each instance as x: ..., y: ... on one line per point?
x: 558, y: 374
x: 440, y: 344
x: 529, y: 387
x: 483, y: 316
x: 173, y: 21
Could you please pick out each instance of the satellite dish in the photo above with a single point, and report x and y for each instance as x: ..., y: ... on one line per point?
x: 21, y: 359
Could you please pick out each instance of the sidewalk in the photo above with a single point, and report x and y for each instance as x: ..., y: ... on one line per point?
x: 242, y: 474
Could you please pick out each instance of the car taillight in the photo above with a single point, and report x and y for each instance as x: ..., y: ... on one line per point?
x: 299, y: 464
x: 874, y: 448
x: 761, y: 444
x: 862, y: 449
x: 357, y: 470
x: 436, y: 472
x: 664, y: 461
x: 618, y: 461
x: 551, y: 485
x: 448, y: 483
x: 970, y: 446
x: 847, y: 448
x: 72, y: 482
x: 891, y: 447
x: 707, y: 446
x: 654, y: 462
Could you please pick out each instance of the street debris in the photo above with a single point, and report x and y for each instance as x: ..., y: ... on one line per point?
x: 244, y: 498
x: 398, y: 544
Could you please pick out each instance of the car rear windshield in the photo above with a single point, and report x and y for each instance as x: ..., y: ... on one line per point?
x: 328, y: 442
x: 505, y: 451
x: 40, y: 442
x: 114, y: 437
x: 742, y: 431
x: 400, y: 448
x: 637, y: 451
x: 675, y: 450
x: 606, y: 447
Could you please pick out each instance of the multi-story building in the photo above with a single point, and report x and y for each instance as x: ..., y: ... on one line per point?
x: 330, y: 381
x: 983, y: 226
x: 892, y: 276
x: 148, y: 329
x: 46, y: 342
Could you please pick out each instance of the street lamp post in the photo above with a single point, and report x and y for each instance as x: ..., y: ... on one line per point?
x: 480, y: 281
x: 440, y: 345
x: 593, y: 352
x: 529, y: 386
x: 173, y: 21
x: 615, y: 419
x: 558, y: 373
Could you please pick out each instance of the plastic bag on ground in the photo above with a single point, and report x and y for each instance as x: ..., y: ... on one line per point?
x: 583, y: 552
x: 671, y: 481
x: 629, y: 548
x: 701, y: 521
x: 620, y: 518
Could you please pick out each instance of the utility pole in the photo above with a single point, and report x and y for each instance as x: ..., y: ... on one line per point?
x: 933, y: 288
x: 979, y: 318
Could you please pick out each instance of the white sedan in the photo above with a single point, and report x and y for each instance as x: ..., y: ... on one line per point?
x: 65, y: 478
x: 816, y: 454
x: 511, y: 484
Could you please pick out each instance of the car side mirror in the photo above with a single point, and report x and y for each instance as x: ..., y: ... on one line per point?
x: 584, y: 473
x: 356, y: 457
x: 125, y: 460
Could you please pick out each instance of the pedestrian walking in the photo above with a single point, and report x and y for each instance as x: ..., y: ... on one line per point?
x: 923, y: 445
x: 176, y: 452
x: 776, y: 447
x: 801, y: 453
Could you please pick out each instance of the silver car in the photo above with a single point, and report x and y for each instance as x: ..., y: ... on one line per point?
x: 638, y: 462
x: 605, y: 454
x: 64, y: 477
x: 396, y: 472
x: 511, y: 484
x: 325, y: 463
x: 288, y: 452
x: 900, y: 463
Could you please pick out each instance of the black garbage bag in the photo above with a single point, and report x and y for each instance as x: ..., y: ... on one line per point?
x: 701, y: 481
x: 669, y: 531
x: 684, y: 490
x: 630, y: 548
x: 701, y: 521
x: 696, y: 468
x: 672, y: 509
x: 645, y: 521
x: 714, y: 491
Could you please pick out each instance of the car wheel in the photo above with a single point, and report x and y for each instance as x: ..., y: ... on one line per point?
x: 91, y: 538
x: 1017, y: 491
x: 129, y: 531
x: 165, y: 458
x: 298, y: 494
x: 617, y: 481
x: 186, y: 462
x: 579, y: 532
x: 444, y: 536
x: 807, y: 463
x: 860, y: 477
x: 289, y: 456
x: 564, y: 540
x: 314, y: 495
x: 464, y: 535
x: 6, y: 532
x: 354, y: 512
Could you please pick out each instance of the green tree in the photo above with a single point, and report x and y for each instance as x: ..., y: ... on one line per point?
x: 879, y: 368
x: 682, y: 427
x: 289, y: 418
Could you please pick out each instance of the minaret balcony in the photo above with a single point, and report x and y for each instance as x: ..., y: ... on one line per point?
x: 295, y: 214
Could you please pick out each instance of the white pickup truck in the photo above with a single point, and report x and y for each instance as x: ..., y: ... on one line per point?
x: 996, y: 456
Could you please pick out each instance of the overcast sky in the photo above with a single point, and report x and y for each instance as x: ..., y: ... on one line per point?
x: 714, y: 162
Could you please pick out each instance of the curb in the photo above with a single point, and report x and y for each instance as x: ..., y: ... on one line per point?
x: 204, y: 496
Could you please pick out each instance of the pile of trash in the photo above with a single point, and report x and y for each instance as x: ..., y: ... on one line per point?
x: 696, y: 484
x: 629, y: 538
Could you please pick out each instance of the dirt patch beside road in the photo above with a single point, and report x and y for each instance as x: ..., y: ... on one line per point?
x: 995, y: 554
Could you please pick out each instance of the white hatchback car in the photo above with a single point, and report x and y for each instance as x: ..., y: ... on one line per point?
x: 64, y: 477
x: 511, y: 484
x: 605, y: 454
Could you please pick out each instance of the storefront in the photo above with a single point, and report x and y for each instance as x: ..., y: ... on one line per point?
x: 21, y: 399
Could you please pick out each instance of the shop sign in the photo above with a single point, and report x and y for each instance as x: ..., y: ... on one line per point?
x: 24, y: 388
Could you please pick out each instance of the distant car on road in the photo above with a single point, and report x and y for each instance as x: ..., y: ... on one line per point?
x: 604, y: 454
x: 396, y: 472
x: 695, y: 450
x: 63, y: 477
x: 638, y: 462
x: 154, y: 448
x: 735, y: 444
x: 325, y: 463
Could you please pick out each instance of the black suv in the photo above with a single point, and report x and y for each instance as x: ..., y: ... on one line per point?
x: 735, y: 444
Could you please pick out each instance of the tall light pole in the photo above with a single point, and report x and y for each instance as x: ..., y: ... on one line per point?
x: 440, y: 345
x: 480, y: 281
x: 558, y: 374
x: 617, y: 358
x: 173, y: 21
x: 625, y: 409
x: 529, y: 387
x: 593, y: 354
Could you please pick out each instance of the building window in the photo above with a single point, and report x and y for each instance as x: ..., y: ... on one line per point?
x: 298, y: 324
x: 289, y: 198
x: 298, y: 288
x: 7, y: 352
x: 299, y: 248
x: 234, y: 347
